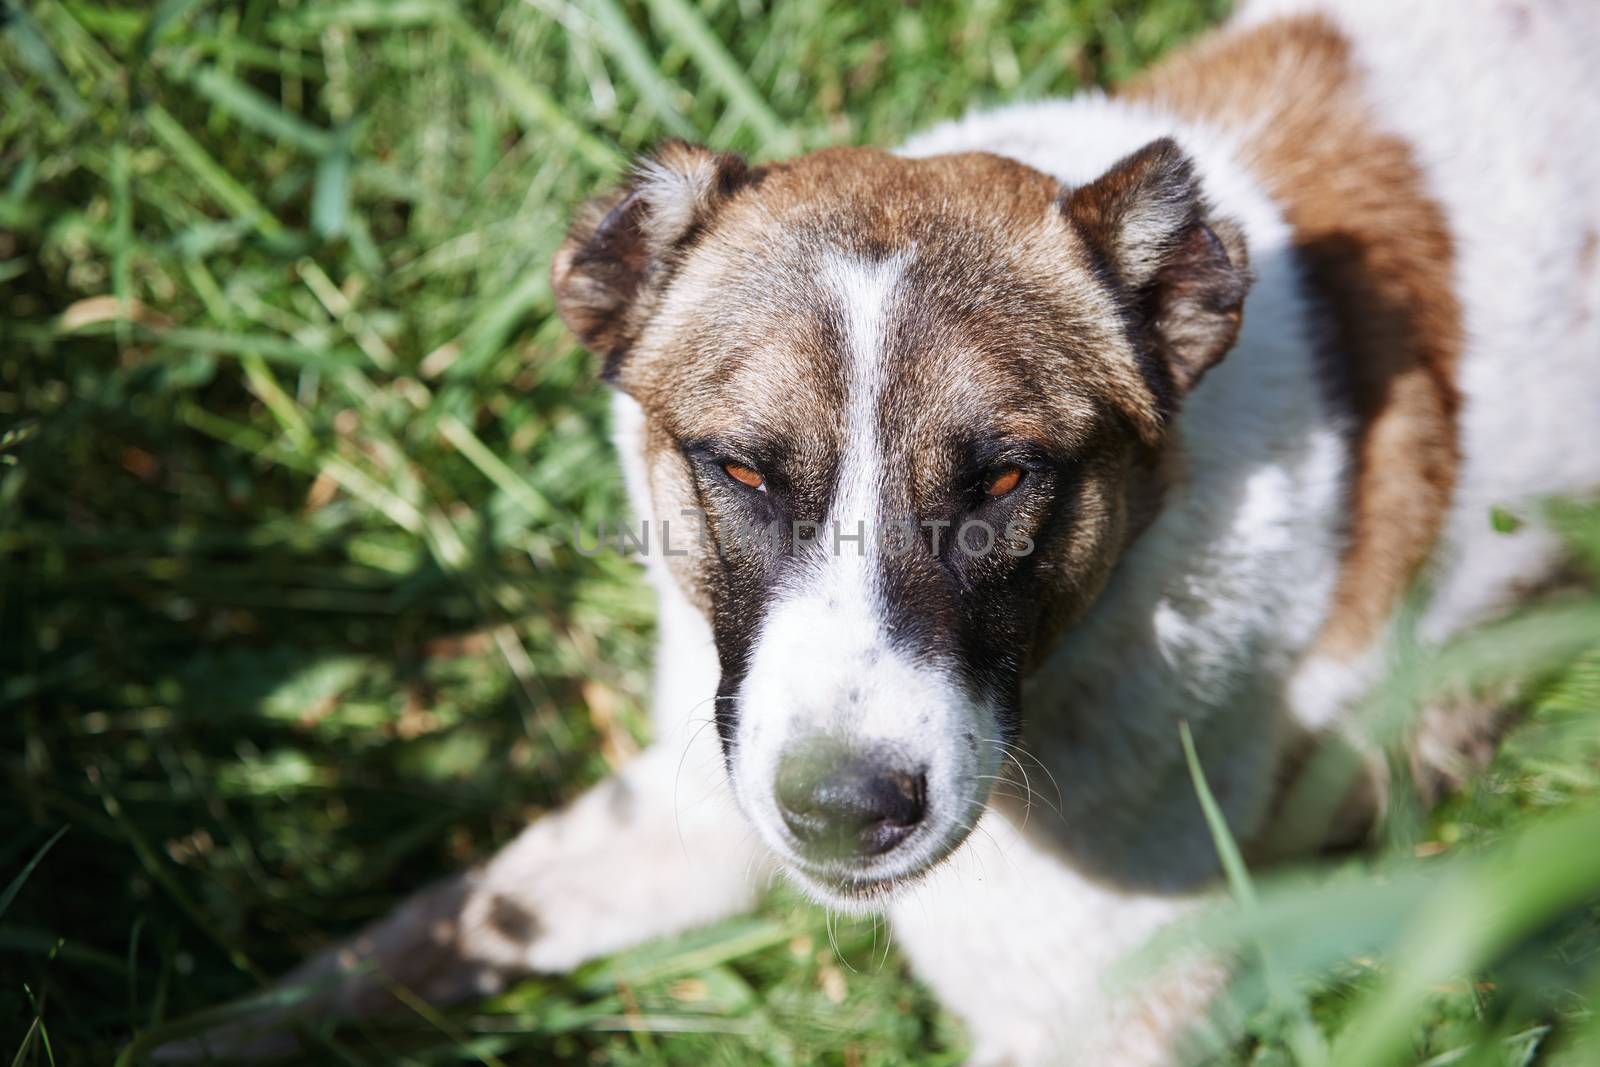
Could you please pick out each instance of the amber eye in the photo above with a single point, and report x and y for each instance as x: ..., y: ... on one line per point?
x: 746, y: 476
x: 1002, y: 483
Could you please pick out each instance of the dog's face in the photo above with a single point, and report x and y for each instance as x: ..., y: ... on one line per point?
x: 921, y: 406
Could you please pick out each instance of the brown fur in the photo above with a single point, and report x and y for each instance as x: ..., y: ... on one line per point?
x: 1377, y: 256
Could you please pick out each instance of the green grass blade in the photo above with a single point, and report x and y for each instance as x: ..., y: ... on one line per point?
x: 122, y: 245
x: 682, y: 23
x: 35, y: 52
x: 260, y: 112
x: 1543, y: 872
x: 275, y: 349
x: 1302, y: 1034
x: 330, y: 197
x: 617, y: 36
x: 495, y: 469
x: 362, y: 15
x: 165, y: 17
x: 15, y: 885
x: 688, y: 954
x: 227, y: 190
x: 1233, y: 865
x: 533, y: 105
x: 485, y: 337
x: 27, y: 1042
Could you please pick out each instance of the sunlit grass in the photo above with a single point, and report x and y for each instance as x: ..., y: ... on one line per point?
x: 290, y: 619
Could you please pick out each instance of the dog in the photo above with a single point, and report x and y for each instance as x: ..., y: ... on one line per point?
x: 1168, y: 397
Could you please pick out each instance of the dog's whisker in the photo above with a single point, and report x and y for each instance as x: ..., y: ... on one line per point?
x: 677, y: 808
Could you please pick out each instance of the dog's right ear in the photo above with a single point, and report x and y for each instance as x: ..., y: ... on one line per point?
x: 622, y: 245
x: 1183, y: 271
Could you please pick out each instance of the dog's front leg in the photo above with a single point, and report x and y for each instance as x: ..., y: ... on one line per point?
x: 654, y: 850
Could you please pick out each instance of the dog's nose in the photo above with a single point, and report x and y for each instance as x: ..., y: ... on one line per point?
x: 841, y: 804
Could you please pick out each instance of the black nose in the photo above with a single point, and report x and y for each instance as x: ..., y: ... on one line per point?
x: 840, y: 803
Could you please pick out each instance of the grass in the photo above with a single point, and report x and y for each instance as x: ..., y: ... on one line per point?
x: 290, y: 623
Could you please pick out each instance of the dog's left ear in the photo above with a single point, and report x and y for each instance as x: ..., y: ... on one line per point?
x: 624, y: 244
x: 1183, y: 273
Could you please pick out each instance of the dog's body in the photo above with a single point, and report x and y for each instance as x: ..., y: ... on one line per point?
x: 1416, y: 192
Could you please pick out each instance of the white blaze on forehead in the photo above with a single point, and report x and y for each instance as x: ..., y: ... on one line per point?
x: 865, y: 293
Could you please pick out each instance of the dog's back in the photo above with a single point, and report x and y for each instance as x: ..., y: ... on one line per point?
x: 1498, y: 105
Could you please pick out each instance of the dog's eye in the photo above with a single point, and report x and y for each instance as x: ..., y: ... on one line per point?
x: 746, y: 476
x: 1003, y: 481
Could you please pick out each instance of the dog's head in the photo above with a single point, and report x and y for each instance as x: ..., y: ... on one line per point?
x: 921, y: 405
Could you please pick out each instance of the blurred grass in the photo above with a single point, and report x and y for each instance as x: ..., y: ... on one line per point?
x: 290, y: 444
